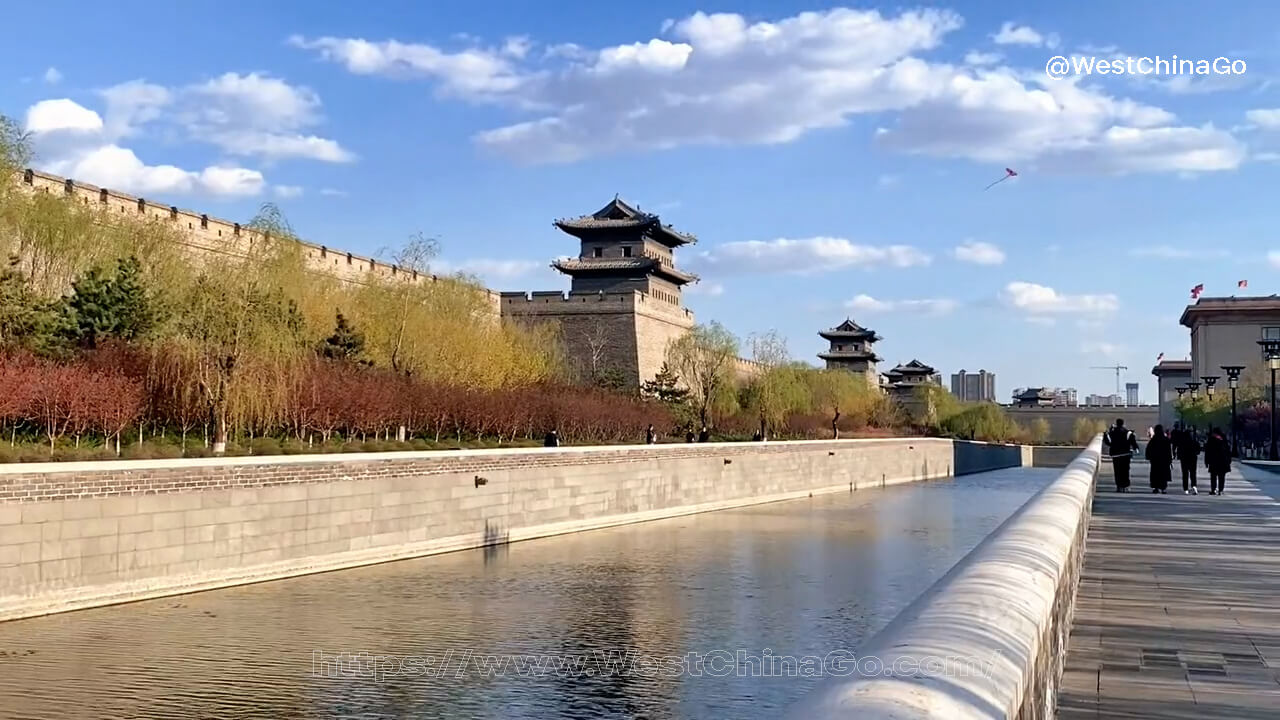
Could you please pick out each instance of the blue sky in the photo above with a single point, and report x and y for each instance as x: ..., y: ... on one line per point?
x: 831, y: 160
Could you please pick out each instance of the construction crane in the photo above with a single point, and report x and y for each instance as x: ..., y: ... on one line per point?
x: 1116, y: 368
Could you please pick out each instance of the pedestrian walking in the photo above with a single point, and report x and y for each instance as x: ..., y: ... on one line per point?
x: 650, y: 436
x: 705, y: 435
x: 1121, y: 444
x: 1217, y: 460
x: 1188, y: 449
x: 552, y: 439
x: 1160, y: 455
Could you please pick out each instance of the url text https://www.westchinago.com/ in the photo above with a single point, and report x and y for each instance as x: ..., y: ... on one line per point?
x: 464, y: 663
x: 1061, y: 66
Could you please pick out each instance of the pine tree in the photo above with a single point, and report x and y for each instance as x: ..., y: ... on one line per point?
x: 24, y: 317
x: 665, y: 387
x: 103, y: 305
x: 344, y: 344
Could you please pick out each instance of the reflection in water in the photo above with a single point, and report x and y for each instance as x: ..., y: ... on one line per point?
x: 799, y: 578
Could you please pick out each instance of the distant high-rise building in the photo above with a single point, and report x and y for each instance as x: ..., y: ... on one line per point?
x: 1065, y: 397
x: 1131, y: 394
x: 974, y: 387
x: 1103, y: 400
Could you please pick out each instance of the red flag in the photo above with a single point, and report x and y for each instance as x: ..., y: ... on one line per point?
x: 1195, y: 291
x: 1242, y: 284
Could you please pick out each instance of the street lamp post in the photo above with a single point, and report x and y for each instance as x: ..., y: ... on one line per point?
x: 1271, y: 351
x: 1181, y: 391
x: 1194, y: 387
x: 1233, y: 380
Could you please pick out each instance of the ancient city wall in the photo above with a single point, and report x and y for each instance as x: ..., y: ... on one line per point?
x: 988, y: 640
x: 207, y: 234
x: 623, y: 331
x: 78, y: 535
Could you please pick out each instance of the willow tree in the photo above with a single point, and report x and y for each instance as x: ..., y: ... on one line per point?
x: 239, y: 318
x: 703, y: 359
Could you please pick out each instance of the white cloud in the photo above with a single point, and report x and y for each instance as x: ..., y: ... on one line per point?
x: 1041, y: 320
x: 973, y: 57
x: 472, y: 71
x: 808, y: 255
x: 1273, y: 258
x: 928, y: 306
x: 333, y: 192
x: 720, y: 79
x: 517, y: 46
x: 979, y: 253
x: 1013, y: 34
x: 52, y: 76
x: 705, y: 288
x: 257, y: 115
x: 1267, y: 118
x: 231, y: 181
x: 62, y: 115
x: 133, y: 104
x: 1168, y: 252
x: 888, y: 180
x: 119, y: 168
x: 1042, y: 300
x: 287, y: 191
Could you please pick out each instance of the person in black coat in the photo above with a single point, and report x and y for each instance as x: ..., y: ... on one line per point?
x: 1217, y: 460
x: 1188, y: 449
x: 1160, y: 454
x: 705, y: 435
x: 650, y: 436
x: 552, y: 439
x: 1121, y: 444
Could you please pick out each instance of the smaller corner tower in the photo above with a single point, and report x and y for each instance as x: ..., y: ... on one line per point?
x: 851, y: 350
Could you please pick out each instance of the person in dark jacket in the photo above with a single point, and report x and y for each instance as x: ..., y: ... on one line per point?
x: 1217, y: 460
x: 1160, y: 455
x: 1121, y: 444
x: 552, y: 439
x: 650, y: 436
x: 705, y: 435
x: 1188, y: 449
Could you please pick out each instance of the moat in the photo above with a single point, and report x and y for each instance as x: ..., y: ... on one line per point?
x: 801, y: 578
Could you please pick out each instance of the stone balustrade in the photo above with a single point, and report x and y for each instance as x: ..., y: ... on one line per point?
x: 988, y: 641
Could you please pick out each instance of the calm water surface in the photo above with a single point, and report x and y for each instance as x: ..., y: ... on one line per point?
x: 804, y: 577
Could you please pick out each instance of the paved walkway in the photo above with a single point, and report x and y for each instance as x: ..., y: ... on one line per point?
x: 1178, y: 614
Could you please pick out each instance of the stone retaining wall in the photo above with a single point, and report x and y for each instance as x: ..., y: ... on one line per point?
x: 77, y: 535
x: 988, y: 640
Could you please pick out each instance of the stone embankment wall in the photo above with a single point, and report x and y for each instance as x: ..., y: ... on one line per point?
x: 78, y: 535
x: 1062, y: 420
x: 988, y: 640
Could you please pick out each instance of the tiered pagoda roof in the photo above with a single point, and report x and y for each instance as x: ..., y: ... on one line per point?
x: 915, y: 367
x: 850, y: 330
x: 614, y: 266
x: 618, y: 215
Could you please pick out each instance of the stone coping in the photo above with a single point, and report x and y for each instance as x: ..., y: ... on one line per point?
x: 88, y: 466
x: 971, y: 646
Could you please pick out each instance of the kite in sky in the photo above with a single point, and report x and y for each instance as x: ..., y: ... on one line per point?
x: 1242, y: 284
x: 1195, y: 291
x: 1008, y: 173
x: 1159, y: 358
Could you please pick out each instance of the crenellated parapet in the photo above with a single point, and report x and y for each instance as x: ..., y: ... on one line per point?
x: 204, y: 233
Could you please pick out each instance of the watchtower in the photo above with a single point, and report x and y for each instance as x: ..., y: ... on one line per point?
x: 624, y: 305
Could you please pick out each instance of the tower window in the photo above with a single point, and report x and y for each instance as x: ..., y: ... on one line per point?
x: 597, y: 252
x: 626, y: 251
